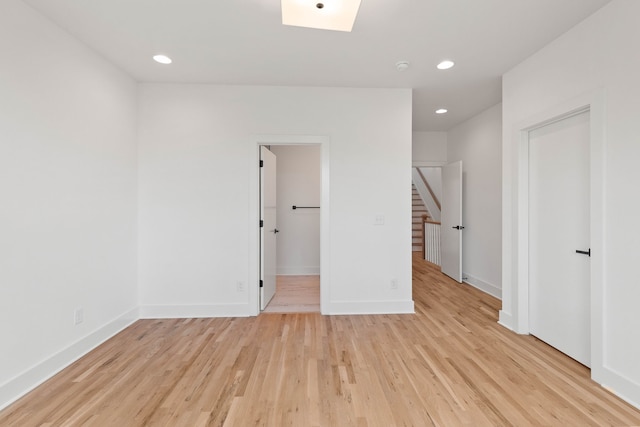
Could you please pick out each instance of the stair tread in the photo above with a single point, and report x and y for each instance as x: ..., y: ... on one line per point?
x: 418, y: 211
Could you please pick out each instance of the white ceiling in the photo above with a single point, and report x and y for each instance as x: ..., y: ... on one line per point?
x: 243, y: 42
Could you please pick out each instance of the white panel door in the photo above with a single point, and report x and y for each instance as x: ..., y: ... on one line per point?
x: 269, y: 228
x: 451, y: 221
x: 559, y: 277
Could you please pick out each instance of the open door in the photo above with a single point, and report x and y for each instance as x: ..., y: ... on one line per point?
x: 451, y: 220
x: 268, y: 229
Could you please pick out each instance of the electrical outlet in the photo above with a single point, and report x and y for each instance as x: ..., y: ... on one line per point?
x: 240, y: 286
x: 378, y: 219
x: 78, y: 316
x: 394, y: 284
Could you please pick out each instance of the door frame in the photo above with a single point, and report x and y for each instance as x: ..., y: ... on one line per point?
x: 594, y: 103
x: 254, y: 213
x: 428, y: 164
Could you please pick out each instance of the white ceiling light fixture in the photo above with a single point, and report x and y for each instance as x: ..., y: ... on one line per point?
x: 162, y: 59
x: 441, y: 111
x: 446, y: 64
x: 402, y: 65
x: 336, y: 15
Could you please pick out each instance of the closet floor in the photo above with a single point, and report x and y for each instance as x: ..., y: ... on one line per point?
x: 295, y: 294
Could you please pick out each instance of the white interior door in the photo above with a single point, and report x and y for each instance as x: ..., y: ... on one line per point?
x: 451, y: 221
x: 268, y: 230
x: 559, y: 278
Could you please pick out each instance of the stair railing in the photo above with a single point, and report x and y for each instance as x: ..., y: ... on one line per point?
x: 430, y: 240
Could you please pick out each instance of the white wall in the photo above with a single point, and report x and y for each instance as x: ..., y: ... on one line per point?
x: 67, y: 190
x: 430, y: 147
x: 298, y: 183
x: 600, y: 54
x: 478, y: 143
x: 433, y: 175
x: 198, y: 152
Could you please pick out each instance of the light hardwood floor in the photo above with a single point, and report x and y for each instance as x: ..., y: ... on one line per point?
x: 296, y: 294
x: 450, y: 364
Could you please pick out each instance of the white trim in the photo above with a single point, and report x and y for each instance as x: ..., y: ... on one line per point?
x: 597, y: 229
x: 371, y: 307
x: 299, y: 271
x: 194, y: 311
x: 505, y: 319
x: 20, y: 385
x: 522, y: 224
x: 254, y: 213
x: 480, y: 284
x: 428, y: 164
x: 621, y: 386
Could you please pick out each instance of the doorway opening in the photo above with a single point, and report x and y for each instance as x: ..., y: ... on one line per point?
x: 292, y: 263
x: 290, y: 233
x: 439, y: 186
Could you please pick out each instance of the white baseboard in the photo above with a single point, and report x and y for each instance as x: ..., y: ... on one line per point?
x: 195, y: 311
x: 621, y: 386
x: 33, y: 377
x: 485, y: 287
x: 369, y: 307
x: 505, y: 319
x: 298, y: 271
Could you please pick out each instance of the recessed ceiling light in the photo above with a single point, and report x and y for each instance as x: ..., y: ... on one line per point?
x: 445, y: 65
x: 162, y: 59
x: 441, y: 111
x: 322, y: 14
x: 402, y: 65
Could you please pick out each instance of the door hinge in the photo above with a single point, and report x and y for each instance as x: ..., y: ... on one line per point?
x: 261, y: 284
x: 261, y: 223
x: 261, y: 163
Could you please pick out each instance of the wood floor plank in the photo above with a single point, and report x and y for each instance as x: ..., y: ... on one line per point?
x: 450, y: 364
x: 295, y: 294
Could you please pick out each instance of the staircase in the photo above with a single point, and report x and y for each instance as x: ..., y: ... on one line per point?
x: 418, y: 210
